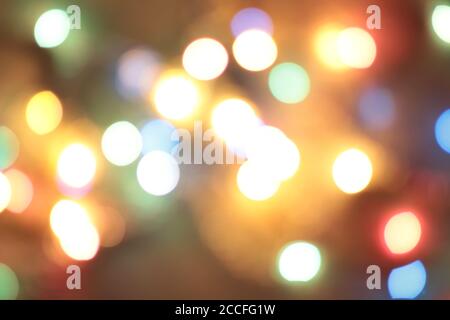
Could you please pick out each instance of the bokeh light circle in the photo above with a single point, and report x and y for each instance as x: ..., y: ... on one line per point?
x: 356, y: 48
x: 9, y: 147
x: 160, y: 135
x: 5, y: 192
x: 251, y: 18
x: 289, y: 83
x: 255, y: 50
x: 326, y: 47
x: 158, y: 173
x: 9, y: 284
x: 71, y: 223
x: 205, y: 59
x: 408, y: 281
x: 121, y: 143
x: 76, y: 166
x: 254, y: 183
x: 352, y: 171
x: 176, y: 97
x: 44, y: 112
x: 22, y: 190
x: 442, y: 131
x: 440, y: 20
x: 299, y: 261
x: 402, y: 232
x: 376, y: 108
x: 136, y: 73
x: 52, y: 28
x: 233, y: 120
x: 274, y: 151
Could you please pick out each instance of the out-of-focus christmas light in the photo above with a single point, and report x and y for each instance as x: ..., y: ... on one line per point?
x: 52, y: 28
x: 274, y: 151
x: 9, y: 147
x: 76, y: 233
x: 299, y: 261
x: 442, y: 131
x: 254, y: 182
x: 289, y: 83
x: 205, y: 59
x: 408, y: 281
x: 121, y: 143
x: 255, y: 50
x: 440, y: 20
x: 22, y: 191
x: 9, y: 284
x: 76, y: 166
x: 44, y: 112
x: 176, y: 96
x: 352, y: 171
x: 376, y: 108
x: 356, y: 48
x: 137, y: 71
x: 402, y: 232
x: 233, y: 120
x: 5, y: 192
x: 160, y: 135
x: 251, y: 18
x: 158, y: 173
x: 326, y: 47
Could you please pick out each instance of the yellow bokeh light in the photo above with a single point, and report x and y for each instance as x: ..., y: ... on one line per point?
x: 356, y: 48
x: 176, y: 96
x: 5, y: 192
x: 272, y: 150
x: 440, y: 20
x: 22, y: 191
x: 325, y: 46
x: 352, y: 171
x: 254, y: 182
x: 255, y: 50
x: 44, y: 112
x: 205, y: 59
x: 233, y: 120
x: 402, y: 232
x: 72, y: 225
x: 76, y: 166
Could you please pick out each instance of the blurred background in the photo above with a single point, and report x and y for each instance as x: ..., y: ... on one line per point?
x: 338, y: 113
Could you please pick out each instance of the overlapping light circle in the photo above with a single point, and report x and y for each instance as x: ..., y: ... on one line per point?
x: 76, y: 233
x: 21, y: 190
x: 76, y: 166
x: 176, y: 96
x: 5, y: 192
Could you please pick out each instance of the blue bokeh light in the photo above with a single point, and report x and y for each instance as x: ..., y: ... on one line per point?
x: 251, y: 18
x: 442, y: 131
x: 408, y: 281
x: 159, y: 135
x: 376, y: 108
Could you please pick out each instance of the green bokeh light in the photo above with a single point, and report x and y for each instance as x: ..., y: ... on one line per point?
x: 9, y: 285
x: 289, y: 83
x: 52, y: 28
x: 9, y: 147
